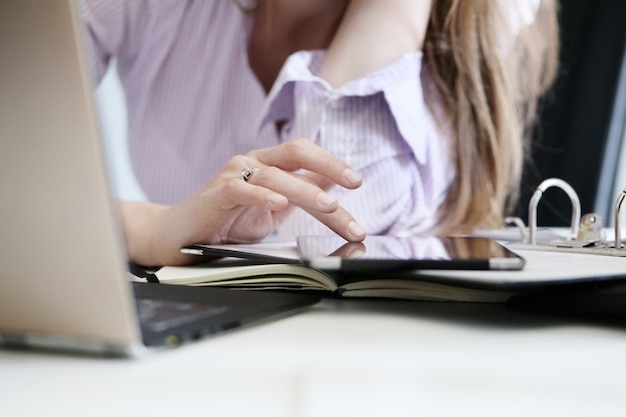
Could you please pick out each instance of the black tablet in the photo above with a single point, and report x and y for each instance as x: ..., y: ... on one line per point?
x: 391, y: 253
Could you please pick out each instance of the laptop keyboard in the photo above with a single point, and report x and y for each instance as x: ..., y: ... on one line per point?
x: 162, y: 315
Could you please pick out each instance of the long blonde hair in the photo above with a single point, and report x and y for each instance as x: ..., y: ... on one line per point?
x: 488, y: 79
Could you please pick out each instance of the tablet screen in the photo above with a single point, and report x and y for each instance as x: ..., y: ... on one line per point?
x: 416, y: 252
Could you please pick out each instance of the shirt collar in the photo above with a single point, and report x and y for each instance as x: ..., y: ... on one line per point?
x: 399, y: 82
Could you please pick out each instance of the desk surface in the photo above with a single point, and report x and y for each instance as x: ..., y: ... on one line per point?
x: 345, y: 358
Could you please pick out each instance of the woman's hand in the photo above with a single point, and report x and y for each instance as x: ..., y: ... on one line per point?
x: 229, y: 209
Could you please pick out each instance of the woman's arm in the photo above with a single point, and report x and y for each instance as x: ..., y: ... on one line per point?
x: 374, y: 33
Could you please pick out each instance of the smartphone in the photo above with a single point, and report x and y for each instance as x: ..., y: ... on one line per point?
x: 391, y: 253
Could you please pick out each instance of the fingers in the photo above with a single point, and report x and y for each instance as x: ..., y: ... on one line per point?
x: 298, y: 189
x: 342, y: 223
x: 274, y: 169
x: 303, y: 154
x: 273, y: 189
x: 236, y: 192
x: 266, y: 179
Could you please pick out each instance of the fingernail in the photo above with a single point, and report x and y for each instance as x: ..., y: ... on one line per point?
x: 355, y: 230
x: 351, y: 176
x: 326, y: 200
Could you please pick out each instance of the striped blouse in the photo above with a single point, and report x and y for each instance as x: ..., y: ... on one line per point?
x: 193, y: 103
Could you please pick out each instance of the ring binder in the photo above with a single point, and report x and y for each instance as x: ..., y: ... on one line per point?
x: 618, y: 209
x: 586, y: 233
x: 534, y: 202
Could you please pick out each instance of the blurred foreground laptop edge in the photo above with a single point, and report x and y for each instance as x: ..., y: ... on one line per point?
x: 63, y: 282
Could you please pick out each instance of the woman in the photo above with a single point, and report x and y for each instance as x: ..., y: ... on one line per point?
x: 427, y: 100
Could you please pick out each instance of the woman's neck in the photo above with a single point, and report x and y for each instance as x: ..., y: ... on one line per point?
x: 282, y: 27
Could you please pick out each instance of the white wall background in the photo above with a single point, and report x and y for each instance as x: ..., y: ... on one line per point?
x: 112, y: 109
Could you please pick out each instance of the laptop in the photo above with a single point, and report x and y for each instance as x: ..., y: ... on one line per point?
x: 63, y: 278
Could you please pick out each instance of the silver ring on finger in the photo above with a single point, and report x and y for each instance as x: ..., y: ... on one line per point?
x: 247, y: 173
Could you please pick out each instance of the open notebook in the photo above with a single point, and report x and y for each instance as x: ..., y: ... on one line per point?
x: 276, y: 265
x: 63, y: 282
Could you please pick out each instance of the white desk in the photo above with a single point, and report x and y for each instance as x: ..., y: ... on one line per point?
x: 345, y: 358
